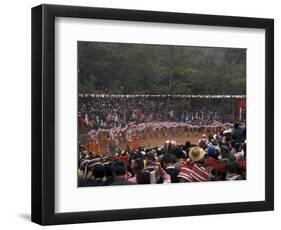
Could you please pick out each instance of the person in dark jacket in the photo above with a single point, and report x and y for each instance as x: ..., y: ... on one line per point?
x: 108, y: 174
x: 119, y: 170
x: 167, y: 162
x: 237, y: 134
x: 98, y: 174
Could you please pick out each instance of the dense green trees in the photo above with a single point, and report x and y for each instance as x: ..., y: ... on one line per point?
x: 160, y: 69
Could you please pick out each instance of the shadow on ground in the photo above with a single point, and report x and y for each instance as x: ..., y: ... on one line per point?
x: 25, y: 216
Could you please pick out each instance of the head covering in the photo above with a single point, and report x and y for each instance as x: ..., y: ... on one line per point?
x: 214, y: 142
x: 196, y: 153
x: 227, y: 131
x: 211, y: 151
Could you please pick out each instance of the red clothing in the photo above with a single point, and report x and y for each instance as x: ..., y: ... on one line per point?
x: 213, y: 162
x: 243, y: 163
x: 123, y: 158
x: 138, y: 114
x: 194, y: 174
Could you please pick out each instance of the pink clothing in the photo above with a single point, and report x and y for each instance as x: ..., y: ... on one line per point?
x: 166, y: 179
x: 133, y: 179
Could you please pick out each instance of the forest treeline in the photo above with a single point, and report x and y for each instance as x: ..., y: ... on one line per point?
x: 121, y: 68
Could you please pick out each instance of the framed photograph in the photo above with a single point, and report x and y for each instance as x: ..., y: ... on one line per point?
x: 142, y: 114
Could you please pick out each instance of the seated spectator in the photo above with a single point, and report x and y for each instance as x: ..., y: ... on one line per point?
x: 137, y: 166
x: 143, y: 177
x: 194, y: 171
x: 218, y: 158
x: 167, y: 162
x: 119, y: 171
x: 152, y: 175
x: 108, y: 173
x: 233, y: 171
x: 196, y: 155
x: 180, y: 156
x: 226, y: 154
x: 83, y: 182
x: 98, y: 173
x: 212, y: 152
x: 240, y: 152
x: 203, y: 142
x: 214, y: 143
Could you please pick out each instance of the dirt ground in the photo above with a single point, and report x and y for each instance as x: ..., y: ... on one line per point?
x: 161, y: 141
x: 158, y: 142
x: 154, y: 142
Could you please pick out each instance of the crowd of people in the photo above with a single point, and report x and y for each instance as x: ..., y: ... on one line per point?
x: 219, y: 155
x: 110, y: 123
x: 111, y: 112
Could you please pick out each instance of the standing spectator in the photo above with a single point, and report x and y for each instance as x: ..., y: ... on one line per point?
x: 237, y: 134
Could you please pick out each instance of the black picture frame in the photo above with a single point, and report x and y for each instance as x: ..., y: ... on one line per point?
x: 43, y: 110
